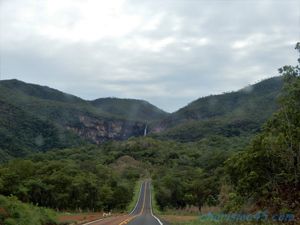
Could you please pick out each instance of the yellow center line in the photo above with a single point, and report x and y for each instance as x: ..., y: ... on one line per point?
x: 131, y: 218
x: 144, y: 199
x: 127, y: 220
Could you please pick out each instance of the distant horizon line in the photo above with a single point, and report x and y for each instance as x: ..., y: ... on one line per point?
x: 140, y: 99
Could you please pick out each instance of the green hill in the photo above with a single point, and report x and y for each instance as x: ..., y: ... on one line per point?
x: 38, y: 118
x: 41, y: 92
x: 29, y: 112
x: 130, y: 109
x: 229, y: 114
x: 22, y: 133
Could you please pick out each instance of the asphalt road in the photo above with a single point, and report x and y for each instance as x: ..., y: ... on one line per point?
x: 142, y: 213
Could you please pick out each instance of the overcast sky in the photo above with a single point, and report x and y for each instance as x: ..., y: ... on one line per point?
x: 169, y: 52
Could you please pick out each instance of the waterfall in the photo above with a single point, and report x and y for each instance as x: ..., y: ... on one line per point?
x: 145, y: 131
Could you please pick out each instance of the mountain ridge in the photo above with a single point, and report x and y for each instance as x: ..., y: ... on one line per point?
x: 248, y: 107
x: 134, y: 108
x: 104, y: 119
x: 67, y: 115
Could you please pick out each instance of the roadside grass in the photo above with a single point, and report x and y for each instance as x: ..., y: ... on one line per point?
x: 192, y: 211
x: 169, y: 215
x: 78, y: 218
x: 155, y: 208
x: 200, y: 220
x: 135, y: 198
x: 191, y: 216
x: 182, y: 219
x: 15, y: 212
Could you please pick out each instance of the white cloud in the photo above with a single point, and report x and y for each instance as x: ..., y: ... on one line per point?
x: 254, y: 39
x: 146, y: 44
x: 153, y: 23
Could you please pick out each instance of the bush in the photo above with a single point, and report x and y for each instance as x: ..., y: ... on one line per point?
x: 14, y: 212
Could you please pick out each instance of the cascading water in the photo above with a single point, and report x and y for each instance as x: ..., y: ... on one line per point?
x: 145, y: 131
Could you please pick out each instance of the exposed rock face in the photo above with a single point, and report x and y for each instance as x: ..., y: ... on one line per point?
x: 99, y: 131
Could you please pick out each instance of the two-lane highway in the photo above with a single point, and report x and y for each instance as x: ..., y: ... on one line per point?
x: 142, y: 213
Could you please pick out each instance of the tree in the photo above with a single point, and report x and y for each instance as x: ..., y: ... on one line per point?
x: 269, y: 170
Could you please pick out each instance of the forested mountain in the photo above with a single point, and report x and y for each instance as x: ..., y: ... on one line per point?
x: 22, y: 133
x: 41, y: 92
x: 230, y: 114
x: 38, y: 118
x: 131, y: 109
x: 34, y: 118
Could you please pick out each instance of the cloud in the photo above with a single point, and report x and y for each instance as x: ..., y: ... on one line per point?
x: 167, y: 52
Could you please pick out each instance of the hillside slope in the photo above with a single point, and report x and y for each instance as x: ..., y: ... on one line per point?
x: 32, y: 114
x: 22, y: 133
x: 131, y: 109
x: 30, y: 111
x: 230, y: 114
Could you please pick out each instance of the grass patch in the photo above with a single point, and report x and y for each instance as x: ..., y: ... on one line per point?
x: 155, y: 207
x: 136, y: 194
x: 14, y: 212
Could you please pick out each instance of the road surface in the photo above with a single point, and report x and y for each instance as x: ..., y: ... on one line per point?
x: 143, y: 211
x: 141, y: 215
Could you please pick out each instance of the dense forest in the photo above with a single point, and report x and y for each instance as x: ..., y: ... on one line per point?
x: 239, y: 168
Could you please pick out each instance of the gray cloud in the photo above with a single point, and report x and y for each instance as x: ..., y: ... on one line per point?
x: 167, y: 52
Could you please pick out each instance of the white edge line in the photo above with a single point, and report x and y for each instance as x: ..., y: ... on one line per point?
x: 158, y: 220
x: 137, y: 200
x: 95, y: 221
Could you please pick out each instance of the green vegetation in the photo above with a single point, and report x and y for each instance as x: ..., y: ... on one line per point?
x: 235, y: 114
x: 265, y: 175
x: 14, y: 212
x: 154, y: 205
x: 80, y: 184
x: 51, y: 104
x: 224, y: 223
x: 22, y: 133
x: 130, y: 109
x: 268, y: 172
x: 136, y: 193
x: 245, y: 103
x: 35, y: 118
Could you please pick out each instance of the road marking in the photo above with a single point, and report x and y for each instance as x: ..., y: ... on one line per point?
x: 131, y: 218
x: 95, y: 221
x: 143, y: 207
x: 158, y: 220
x: 145, y: 191
x: 137, y: 200
x: 127, y: 221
